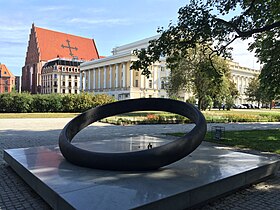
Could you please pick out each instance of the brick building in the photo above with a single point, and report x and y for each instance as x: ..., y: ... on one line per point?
x: 7, y: 79
x: 45, y: 45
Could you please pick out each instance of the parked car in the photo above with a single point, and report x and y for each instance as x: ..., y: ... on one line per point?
x: 239, y: 106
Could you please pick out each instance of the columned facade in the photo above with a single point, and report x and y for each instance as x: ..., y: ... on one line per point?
x: 112, y: 76
x: 115, y: 78
x: 241, y: 76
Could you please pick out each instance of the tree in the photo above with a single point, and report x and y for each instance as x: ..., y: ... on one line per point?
x: 253, y: 91
x: 196, y: 74
x: 207, y: 23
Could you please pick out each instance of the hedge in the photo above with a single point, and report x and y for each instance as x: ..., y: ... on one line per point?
x: 27, y: 103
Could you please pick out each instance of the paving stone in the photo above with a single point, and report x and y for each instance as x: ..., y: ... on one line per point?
x: 16, y: 194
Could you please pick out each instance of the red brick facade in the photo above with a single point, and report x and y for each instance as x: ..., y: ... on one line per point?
x: 45, y: 45
x: 7, y: 79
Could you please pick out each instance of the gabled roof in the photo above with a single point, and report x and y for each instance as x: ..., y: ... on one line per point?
x: 53, y: 44
x: 5, y: 72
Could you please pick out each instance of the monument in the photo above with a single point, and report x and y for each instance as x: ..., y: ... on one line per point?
x: 151, y: 159
x: 172, y: 174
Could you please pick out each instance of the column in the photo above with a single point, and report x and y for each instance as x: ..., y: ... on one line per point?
x: 110, y: 83
x: 94, y: 78
x: 159, y: 78
x: 81, y: 81
x: 155, y: 78
x: 84, y: 81
x: 117, y: 75
x: 142, y: 80
x: 123, y: 71
x: 89, y: 80
x: 131, y: 77
x: 99, y: 77
x: 105, y: 78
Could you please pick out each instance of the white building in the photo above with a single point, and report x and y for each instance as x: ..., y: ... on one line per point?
x: 61, y: 75
x: 241, y: 76
x: 112, y: 75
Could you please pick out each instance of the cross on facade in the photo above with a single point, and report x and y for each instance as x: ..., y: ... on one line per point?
x: 70, y: 48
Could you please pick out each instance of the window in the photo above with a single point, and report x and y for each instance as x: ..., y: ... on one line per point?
x: 162, y: 85
x: 63, y: 83
x: 69, y: 76
x: 136, y: 83
x: 55, y: 76
x: 76, y: 91
x: 162, y: 68
x: 76, y: 84
x: 69, y: 90
x: 76, y: 76
x: 55, y: 84
x: 69, y: 84
x: 63, y: 90
x: 55, y: 90
x: 150, y: 83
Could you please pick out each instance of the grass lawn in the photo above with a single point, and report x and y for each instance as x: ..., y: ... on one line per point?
x: 262, y: 140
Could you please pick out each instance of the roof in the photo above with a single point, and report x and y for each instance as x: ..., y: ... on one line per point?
x: 54, y: 44
x: 5, y: 72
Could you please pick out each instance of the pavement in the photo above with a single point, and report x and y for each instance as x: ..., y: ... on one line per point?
x: 18, y: 133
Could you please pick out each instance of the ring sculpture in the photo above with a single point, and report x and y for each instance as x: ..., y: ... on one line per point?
x: 144, y: 160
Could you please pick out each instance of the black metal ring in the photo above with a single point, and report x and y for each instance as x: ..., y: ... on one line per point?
x: 144, y: 160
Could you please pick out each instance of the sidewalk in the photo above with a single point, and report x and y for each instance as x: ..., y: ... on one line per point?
x: 17, y: 133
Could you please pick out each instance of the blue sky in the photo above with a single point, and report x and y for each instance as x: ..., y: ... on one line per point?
x: 109, y: 22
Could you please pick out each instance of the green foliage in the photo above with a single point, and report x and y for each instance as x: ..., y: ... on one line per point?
x: 6, y: 102
x: 68, y: 103
x: 14, y: 102
x: 253, y: 91
x: 25, y: 102
x: 22, y: 102
x: 207, y: 23
x: 191, y: 100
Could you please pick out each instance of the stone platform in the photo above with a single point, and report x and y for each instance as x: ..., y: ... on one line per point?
x: 207, y: 173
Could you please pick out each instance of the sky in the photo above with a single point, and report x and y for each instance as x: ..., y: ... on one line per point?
x: 110, y: 23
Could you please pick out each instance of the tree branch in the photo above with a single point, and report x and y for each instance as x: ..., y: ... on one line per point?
x: 246, y: 12
x: 249, y: 32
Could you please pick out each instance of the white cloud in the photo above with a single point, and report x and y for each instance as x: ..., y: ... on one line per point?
x: 114, y: 21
